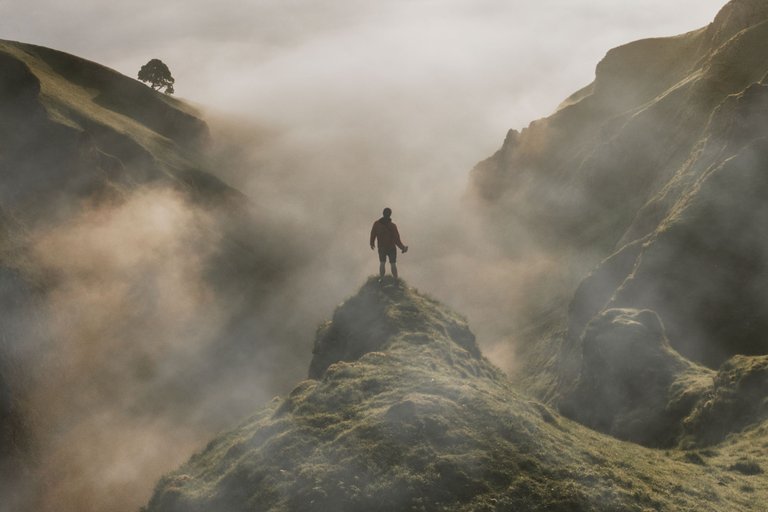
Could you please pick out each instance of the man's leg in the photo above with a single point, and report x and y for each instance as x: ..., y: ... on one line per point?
x: 382, y: 261
x: 393, y: 262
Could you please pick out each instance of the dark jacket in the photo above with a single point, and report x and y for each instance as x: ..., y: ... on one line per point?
x: 385, y: 231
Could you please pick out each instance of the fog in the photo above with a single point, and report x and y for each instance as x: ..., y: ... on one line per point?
x: 322, y: 114
x: 489, y: 65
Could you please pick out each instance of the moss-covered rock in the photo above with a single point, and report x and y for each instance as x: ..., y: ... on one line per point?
x: 632, y: 384
x: 738, y: 399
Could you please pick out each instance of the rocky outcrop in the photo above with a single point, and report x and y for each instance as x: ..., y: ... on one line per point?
x: 653, y: 175
x: 632, y: 384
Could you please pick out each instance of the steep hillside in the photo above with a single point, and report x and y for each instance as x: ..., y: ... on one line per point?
x: 70, y: 127
x: 129, y: 275
x: 653, y: 177
x: 404, y: 413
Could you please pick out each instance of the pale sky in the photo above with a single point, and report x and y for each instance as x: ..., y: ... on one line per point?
x: 498, y: 63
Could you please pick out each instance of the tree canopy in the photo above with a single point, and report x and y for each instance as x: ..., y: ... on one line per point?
x: 157, y: 74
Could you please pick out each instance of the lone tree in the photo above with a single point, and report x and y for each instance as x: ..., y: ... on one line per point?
x: 158, y: 75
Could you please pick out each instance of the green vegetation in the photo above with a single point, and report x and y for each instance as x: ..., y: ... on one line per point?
x: 423, y: 422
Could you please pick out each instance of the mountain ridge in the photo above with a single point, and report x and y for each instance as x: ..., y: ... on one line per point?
x: 646, y: 185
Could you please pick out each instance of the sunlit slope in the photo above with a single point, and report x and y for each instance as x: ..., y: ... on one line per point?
x: 582, y: 174
x: 406, y: 414
x: 649, y: 186
x: 68, y: 125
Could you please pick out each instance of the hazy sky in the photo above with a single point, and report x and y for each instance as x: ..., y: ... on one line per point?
x: 495, y: 63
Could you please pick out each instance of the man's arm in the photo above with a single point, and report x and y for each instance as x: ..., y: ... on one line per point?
x: 397, y: 239
x: 373, y: 236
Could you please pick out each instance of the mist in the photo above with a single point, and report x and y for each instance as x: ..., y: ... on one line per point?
x: 322, y: 115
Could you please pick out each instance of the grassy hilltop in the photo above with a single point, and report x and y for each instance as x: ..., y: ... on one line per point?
x: 406, y: 414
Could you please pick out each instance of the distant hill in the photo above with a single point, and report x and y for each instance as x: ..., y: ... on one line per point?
x: 404, y: 413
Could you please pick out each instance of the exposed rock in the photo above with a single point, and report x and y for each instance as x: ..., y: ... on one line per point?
x: 632, y: 384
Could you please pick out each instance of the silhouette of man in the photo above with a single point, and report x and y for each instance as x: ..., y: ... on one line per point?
x: 385, y: 231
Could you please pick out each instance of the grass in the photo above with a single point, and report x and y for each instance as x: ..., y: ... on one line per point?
x: 154, y: 136
x: 422, y: 423
x: 72, y: 105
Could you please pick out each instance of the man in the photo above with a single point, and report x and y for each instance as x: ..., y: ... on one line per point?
x: 385, y: 231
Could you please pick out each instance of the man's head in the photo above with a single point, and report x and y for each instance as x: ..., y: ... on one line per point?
x: 387, y: 212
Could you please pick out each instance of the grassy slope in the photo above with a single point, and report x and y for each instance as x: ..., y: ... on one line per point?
x: 73, y: 134
x: 70, y: 103
x: 150, y: 134
x: 421, y: 424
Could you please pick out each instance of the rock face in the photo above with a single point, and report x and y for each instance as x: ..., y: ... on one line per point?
x: 407, y: 415
x: 654, y: 176
x: 632, y: 384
